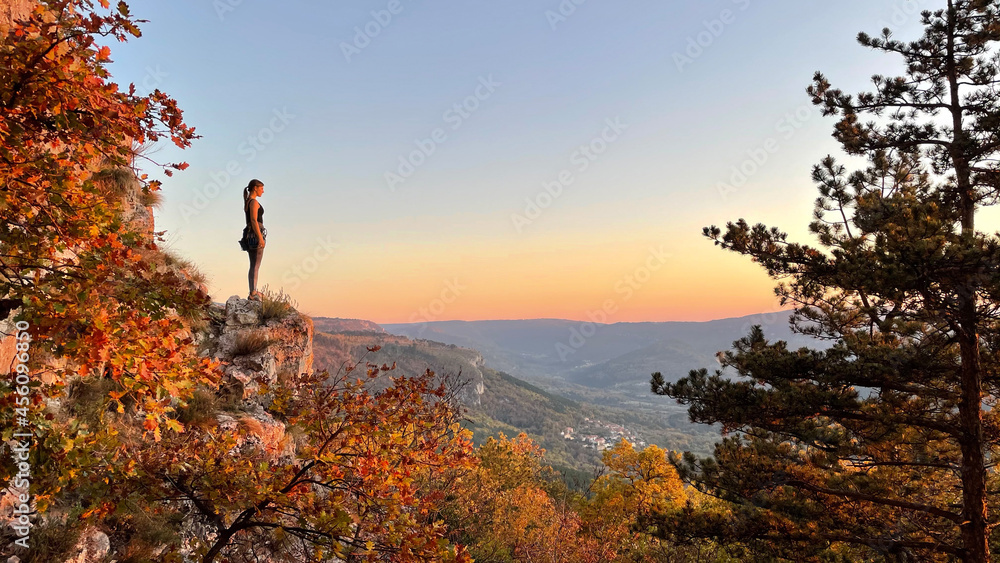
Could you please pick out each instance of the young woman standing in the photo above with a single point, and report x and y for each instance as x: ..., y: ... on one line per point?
x: 255, y: 234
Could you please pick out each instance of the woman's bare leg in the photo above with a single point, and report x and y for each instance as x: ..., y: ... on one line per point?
x: 256, y: 255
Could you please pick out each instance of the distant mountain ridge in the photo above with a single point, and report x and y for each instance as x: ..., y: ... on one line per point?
x: 619, y: 355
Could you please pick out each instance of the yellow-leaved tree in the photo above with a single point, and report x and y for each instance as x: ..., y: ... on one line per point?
x: 637, y: 485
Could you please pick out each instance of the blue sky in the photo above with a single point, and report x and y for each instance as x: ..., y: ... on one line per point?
x: 270, y: 89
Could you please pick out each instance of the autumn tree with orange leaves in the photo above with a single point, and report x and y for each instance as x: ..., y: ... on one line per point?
x: 103, y: 305
x: 356, y: 487
x: 505, y: 509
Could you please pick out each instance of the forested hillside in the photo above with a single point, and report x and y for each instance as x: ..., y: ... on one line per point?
x: 496, y: 402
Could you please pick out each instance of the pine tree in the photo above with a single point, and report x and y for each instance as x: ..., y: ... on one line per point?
x: 883, y: 443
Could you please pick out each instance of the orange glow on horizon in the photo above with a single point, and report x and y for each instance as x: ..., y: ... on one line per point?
x: 572, y: 276
x: 617, y: 288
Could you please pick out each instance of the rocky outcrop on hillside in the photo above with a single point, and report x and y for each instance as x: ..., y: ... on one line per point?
x: 92, y: 547
x: 257, y: 347
x: 333, y: 326
x: 334, y: 351
x: 289, y: 335
x: 136, y: 208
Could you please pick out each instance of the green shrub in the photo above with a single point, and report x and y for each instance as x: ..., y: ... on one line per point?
x: 135, y: 534
x: 52, y: 541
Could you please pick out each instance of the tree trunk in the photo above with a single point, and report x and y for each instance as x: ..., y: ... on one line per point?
x: 974, y: 514
x: 974, y: 527
x: 220, y: 544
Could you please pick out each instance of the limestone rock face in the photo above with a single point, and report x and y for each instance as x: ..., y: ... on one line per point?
x: 135, y: 211
x: 263, y: 433
x: 8, y: 342
x: 255, y: 349
x: 11, y: 10
x: 242, y: 313
x: 475, y: 383
x: 92, y: 546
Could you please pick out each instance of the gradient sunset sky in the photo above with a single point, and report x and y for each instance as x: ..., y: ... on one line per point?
x: 323, y: 100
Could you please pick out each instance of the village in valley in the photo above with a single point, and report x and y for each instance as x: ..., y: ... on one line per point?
x: 601, y: 435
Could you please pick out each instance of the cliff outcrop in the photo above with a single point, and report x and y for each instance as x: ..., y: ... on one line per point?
x: 288, y: 335
x: 259, y: 349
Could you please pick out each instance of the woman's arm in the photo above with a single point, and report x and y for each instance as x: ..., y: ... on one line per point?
x: 254, y: 204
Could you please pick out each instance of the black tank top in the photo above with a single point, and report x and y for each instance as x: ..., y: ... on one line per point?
x: 260, y: 213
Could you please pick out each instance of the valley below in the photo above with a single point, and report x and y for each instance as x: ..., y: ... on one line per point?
x: 574, y: 388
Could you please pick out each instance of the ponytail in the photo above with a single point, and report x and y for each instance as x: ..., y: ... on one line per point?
x: 246, y: 191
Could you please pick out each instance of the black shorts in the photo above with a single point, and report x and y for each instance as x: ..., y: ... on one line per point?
x: 249, y: 240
